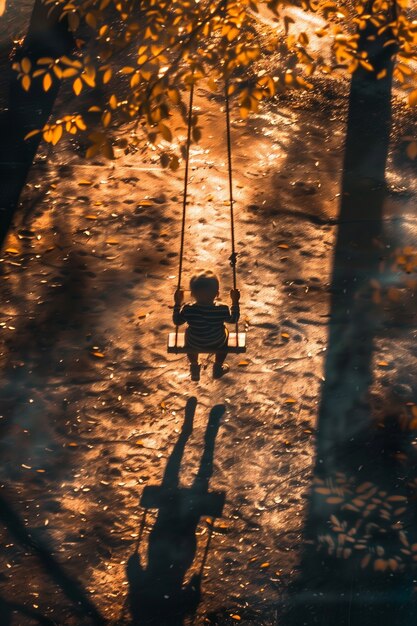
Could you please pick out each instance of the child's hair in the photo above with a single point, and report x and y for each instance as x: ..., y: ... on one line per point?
x: 204, y: 280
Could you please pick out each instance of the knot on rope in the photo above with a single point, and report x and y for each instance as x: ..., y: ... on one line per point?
x: 233, y: 259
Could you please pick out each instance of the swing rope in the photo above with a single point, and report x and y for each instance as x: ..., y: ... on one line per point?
x: 187, y: 165
x: 233, y: 256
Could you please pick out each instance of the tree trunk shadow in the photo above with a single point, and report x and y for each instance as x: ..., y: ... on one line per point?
x: 356, y: 565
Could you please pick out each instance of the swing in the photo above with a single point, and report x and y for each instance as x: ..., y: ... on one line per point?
x: 236, y: 341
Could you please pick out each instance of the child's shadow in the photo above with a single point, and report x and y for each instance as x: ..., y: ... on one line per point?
x: 157, y: 594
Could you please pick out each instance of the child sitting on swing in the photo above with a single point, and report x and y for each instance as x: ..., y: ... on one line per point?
x: 205, y: 318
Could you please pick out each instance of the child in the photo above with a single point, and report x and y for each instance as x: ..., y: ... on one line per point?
x: 206, y: 330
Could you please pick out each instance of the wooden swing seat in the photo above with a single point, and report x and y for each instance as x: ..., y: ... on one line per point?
x: 176, y: 345
x: 188, y: 500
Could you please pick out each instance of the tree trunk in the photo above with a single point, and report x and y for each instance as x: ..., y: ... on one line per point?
x: 26, y: 111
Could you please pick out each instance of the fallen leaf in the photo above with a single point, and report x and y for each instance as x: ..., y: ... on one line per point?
x: 382, y: 363
x: 85, y: 182
x: 289, y: 401
x: 236, y: 617
x: 243, y: 363
x: 143, y: 314
x: 98, y: 355
x: 264, y: 565
x: 380, y: 565
x: 284, y: 246
x: 112, y: 242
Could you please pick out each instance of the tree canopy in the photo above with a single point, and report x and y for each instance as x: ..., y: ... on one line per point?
x: 144, y: 54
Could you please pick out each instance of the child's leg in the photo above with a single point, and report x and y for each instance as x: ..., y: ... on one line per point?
x: 218, y: 368
x: 194, y: 366
x: 220, y: 358
x: 193, y: 358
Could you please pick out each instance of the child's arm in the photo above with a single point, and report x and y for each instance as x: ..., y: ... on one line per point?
x: 178, y: 315
x: 234, y: 309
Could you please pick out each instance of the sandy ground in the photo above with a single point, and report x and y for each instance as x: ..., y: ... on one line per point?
x: 100, y: 403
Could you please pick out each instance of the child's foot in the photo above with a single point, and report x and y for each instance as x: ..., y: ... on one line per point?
x: 220, y: 370
x: 195, y: 371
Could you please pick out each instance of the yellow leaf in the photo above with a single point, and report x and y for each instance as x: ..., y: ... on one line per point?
x: 285, y: 335
x: 365, y: 561
x: 382, y: 363
x: 26, y: 65
x: 412, y: 98
x: 243, y: 363
x: 26, y: 82
x: 165, y: 131
x: 90, y: 217
x: 69, y: 72
x: 264, y: 565
x: 56, y: 134
x: 174, y: 96
x: 77, y: 86
x: 106, y: 118
x: 139, y: 442
x: 366, y: 65
x: 235, y: 617
x: 98, y: 355
x: 289, y: 401
x: 91, y: 20
x: 12, y: 251
x: 112, y: 242
x: 364, y: 487
x: 113, y: 101
x: 79, y: 122
x: 107, y: 76
x: 32, y: 134
x: 412, y: 150
x: 47, y: 82
x: 73, y: 445
x: 85, y: 182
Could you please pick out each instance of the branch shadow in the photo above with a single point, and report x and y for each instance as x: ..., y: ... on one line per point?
x: 9, y: 609
x: 71, y: 588
x: 157, y: 594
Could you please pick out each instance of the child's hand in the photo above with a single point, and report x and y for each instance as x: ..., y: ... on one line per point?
x: 235, y: 295
x: 179, y: 297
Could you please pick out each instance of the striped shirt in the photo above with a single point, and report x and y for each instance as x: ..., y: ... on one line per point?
x: 206, y: 327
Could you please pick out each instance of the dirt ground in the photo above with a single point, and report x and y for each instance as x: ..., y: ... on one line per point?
x: 94, y: 411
